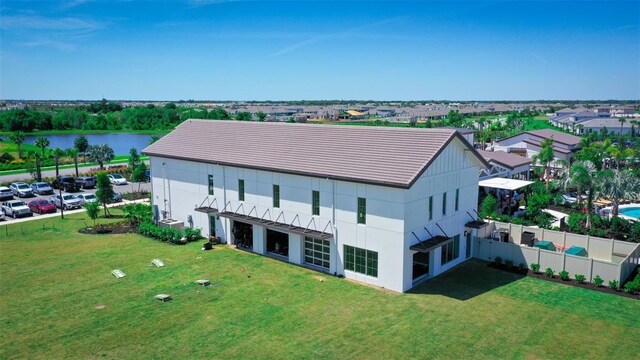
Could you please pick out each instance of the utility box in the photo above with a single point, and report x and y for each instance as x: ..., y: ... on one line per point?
x: 527, y: 238
x: 172, y: 223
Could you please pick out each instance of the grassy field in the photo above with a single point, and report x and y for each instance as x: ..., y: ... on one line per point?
x: 53, y: 280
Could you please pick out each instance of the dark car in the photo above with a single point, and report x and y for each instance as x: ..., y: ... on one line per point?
x: 66, y: 183
x: 86, y: 182
x: 42, y: 206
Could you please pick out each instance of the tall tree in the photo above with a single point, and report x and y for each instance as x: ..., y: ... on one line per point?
x: 105, y: 191
x: 82, y: 144
x: 57, y: 154
x: 100, y: 154
x: 134, y: 159
x: 544, y: 158
x: 73, y: 153
x: 18, y: 138
x: 582, y: 176
x: 43, y: 143
x: 622, y: 120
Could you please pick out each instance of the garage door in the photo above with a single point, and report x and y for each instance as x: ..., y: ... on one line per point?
x: 316, y: 252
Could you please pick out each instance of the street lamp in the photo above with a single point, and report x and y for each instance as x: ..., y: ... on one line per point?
x: 61, y: 199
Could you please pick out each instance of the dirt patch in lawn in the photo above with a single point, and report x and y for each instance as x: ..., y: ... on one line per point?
x: 116, y: 228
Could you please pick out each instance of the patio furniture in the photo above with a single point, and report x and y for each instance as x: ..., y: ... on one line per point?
x: 545, y: 245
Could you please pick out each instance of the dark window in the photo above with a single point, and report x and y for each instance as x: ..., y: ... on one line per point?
x: 444, y: 204
x: 212, y: 225
x: 361, y: 260
x: 430, y: 207
x: 210, y: 184
x: 362, y: 211
x: 457, y: 198
x: 241, y: 190
x: 315, y: 202
x: 450, y: 250
x: 276, y: 196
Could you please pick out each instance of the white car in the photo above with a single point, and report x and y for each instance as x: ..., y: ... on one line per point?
x: 5, y: 193
x: 86, y: 198
x: 117, y: 179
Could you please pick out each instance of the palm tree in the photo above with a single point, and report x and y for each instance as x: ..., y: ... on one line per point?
x: 18, y: 138
x: 582, y: 176
x: 617, y: 185
x: 545, y: 157
x: 58, y: 153
x: 622, y: 121
x: 42, y: 143
x: 73, y: 153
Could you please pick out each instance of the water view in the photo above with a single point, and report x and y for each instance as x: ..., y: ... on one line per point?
x: 121, y: 143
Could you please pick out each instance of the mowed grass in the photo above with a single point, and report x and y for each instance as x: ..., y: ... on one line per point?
x: 53, y: 279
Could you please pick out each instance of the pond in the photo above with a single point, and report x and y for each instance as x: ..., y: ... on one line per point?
x: 120, y: 143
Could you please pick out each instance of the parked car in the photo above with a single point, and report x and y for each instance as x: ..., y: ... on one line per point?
x: 86, y: 198
x: 21, y: 189
x: 16, y: 208
x: 117, y: 197
x: 41, y: 188
x: 572, y: 198
x: 5, y: 193
x: 66, y: 183
x: 1, y: 214
x: 117, y: 179
x: 86, y: 182
x: 42, y: 206
x: 68, y: 201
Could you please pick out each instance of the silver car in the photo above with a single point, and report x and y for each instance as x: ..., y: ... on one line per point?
x: 68, y: 201
x: 21, y: 189
x: 41, y: 188
x: 5, y: 193
x: 86, y: 198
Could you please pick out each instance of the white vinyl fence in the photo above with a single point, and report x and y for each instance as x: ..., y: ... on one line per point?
x: 487, y: 249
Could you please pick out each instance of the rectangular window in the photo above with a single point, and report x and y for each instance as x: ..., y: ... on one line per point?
x: 276, y: 196
x: 361, y: 260
x: 317, y: 252
x: 315, y: 202
x: 457, y: 198
x: 450, y: 251
x: 212, y: 225
x: 241, y: 190
x: 430, y: 207
x: 210, y: 184
x: 362, y: 211
x: 444, y: 204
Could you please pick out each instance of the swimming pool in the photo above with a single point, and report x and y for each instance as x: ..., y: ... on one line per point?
x: 633, y: 212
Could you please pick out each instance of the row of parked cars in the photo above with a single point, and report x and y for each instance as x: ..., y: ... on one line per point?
x: 66, y: 183
x: 18, y: 208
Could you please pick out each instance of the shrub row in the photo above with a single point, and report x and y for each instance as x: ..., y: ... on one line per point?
x: 167, y: 234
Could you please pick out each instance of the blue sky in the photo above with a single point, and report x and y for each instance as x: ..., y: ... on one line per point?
x: 262, y: 50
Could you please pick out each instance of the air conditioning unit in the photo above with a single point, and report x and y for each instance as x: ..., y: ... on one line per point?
x: 172, y: 223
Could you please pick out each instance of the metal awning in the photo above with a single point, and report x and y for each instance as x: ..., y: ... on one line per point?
x: 504, y: 183
x: 207, y: 210
x: 428, y: 245
x: 278, y: 226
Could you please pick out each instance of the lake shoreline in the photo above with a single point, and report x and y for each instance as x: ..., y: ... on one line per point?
x: 89, y: 132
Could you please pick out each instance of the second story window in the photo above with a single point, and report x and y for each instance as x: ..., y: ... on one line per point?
x: 276, y: 196
x: 444, y: 204
x: 362, y: 211
x: 210, y: 184
x: 457, y: 199
x: 241, y: 190
x: 315, y: 202
x: 430, y: 207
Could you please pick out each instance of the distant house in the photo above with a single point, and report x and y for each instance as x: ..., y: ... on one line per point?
x: 505, y: 165
x: 564, y: 145
x: 355, y: 115
x: 585, y: 121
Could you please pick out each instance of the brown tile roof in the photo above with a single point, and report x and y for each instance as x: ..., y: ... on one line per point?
x: 539, y: 144
x: 385, y: 156
x: 557, y: 136
x: 505, y: 159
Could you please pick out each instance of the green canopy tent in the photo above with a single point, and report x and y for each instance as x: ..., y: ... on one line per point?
x: 576, y: 250
x: 545, y: 245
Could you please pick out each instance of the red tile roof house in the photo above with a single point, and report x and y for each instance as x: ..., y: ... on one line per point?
x: 383, y: 206
x: 564, y: 145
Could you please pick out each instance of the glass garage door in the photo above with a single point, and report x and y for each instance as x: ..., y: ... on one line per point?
x: 316, y: 252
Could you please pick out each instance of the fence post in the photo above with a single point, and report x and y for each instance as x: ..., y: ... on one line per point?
x: 538, y: 261
x: 590, y: 275
x: 564, y: 262
x: 588, y: 241
x: 564, y: 240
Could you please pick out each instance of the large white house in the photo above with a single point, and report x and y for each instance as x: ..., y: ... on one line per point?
x: 384, y: 206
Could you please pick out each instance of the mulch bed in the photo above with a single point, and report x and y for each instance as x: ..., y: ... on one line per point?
x: 556, y: 279
x: 115, y: 228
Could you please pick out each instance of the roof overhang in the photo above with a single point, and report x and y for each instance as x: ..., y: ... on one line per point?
x: 278, y: 226
x: 428, y: 245
x: 504, y: 183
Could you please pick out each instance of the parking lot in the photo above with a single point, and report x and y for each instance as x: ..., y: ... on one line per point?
x: 122, y: 189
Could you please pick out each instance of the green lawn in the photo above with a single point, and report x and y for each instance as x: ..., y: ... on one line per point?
x: 53, y: 279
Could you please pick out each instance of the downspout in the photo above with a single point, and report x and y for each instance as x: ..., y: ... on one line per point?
x: 333, y: 224
x: 224, y: 199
